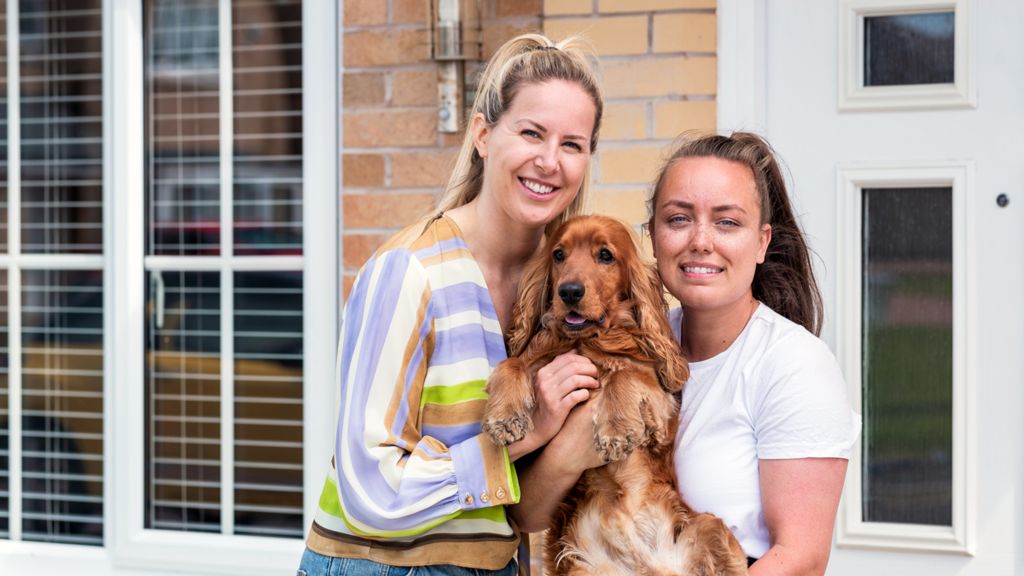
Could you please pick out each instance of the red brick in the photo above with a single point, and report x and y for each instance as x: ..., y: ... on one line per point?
x: 362, y: 170
x: 357, y: 248
x: 390, y: 128
x: 506, y: 8
x: 414, y: 87
x: 362, y: 89
x: 404, y: 11
x: 366, y: 48
x: 420, y: 170
x: 365, y: 12
x: 384, y: 210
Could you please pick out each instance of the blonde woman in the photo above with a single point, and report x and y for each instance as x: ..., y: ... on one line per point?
x: 414, y: 482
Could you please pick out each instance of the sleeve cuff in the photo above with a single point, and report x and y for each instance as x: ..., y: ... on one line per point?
x: 484, y: 474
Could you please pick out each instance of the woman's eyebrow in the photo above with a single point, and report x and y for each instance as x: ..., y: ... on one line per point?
x: 540, y: 128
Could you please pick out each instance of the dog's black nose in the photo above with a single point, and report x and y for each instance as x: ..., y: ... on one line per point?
x: 571, y: 292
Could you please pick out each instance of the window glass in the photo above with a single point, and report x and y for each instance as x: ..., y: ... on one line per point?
x: 267, y: 56
x: 183, y: 416
x: 3, y: 139
x: 907, y: 348
x: 62, y: 406
x: 61, y: 126
x: 5, y: 414
x: 909, y: 49
x: 268, y: 403
x: 206, y: 473
x: 183, y: 165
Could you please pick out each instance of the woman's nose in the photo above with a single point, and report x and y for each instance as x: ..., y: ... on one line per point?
x: 546, y: 159
x: 702, y: 240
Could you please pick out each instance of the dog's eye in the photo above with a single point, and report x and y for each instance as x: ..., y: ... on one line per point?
x: 558, y: 255
x: 605, y: 256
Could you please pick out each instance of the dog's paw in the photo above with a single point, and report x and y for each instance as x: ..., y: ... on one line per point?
x: 505, y: 431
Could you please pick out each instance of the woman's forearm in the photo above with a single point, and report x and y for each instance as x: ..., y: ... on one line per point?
x: 543, y: 483
x: 783, y: 561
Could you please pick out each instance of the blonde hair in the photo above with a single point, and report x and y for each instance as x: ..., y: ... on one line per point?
x: 523, y: 60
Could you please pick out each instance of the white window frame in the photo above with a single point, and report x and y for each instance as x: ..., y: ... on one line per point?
x: 129, y: 548
x: 853, y: 531
x: 853, y: 95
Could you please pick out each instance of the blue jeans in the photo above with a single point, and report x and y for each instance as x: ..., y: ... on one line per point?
x: 314, y: 564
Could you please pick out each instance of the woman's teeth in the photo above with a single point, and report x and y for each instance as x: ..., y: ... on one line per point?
x: 537, y: 187
x: 700, y: 270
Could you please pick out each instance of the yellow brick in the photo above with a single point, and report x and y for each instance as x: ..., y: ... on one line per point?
x: 671, y: 118
x: 608, y: 6
x: 660, y: 77
x: 608, y: 35
x: 624, y: 165
x: 362, y: 170
x: 627, y: 121
x: 627, y: 205
x: 685, y: 33
x: 555, y: 7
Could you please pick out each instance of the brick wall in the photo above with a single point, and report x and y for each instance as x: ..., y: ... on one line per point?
x: 658, y: 69
x: 394, y: 162
x: 659, y: 79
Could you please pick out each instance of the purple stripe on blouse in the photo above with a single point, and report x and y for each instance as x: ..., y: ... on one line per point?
x: 467, y: 341
x: 452, y: 435
x: 462, y: 297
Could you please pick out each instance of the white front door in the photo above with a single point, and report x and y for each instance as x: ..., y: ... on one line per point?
x: 913, y: 198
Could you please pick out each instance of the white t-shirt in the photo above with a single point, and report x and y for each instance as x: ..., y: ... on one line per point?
x: 776, y: 392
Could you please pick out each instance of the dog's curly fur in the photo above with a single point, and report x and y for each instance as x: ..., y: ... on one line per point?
x: 590, y: 291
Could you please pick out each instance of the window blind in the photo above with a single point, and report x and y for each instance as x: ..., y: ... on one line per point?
x: 224, y: 442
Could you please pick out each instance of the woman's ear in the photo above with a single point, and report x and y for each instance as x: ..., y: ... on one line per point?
x: 765, y: 240
x: 480, y: 130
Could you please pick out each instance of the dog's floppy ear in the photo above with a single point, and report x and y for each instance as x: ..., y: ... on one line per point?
x: 655, y: 335
x: 532, y: 301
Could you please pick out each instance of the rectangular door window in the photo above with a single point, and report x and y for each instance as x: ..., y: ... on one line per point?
x: 907, y: 355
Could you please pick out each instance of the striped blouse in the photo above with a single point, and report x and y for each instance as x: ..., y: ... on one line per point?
x: 414, y: 481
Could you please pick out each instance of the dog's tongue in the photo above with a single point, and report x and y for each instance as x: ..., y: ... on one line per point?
x: 574, y: 319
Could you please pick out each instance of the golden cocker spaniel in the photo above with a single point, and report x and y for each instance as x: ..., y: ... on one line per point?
x: 589, y: 291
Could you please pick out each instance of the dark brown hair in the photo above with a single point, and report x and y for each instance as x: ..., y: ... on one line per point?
x: 785, y: 281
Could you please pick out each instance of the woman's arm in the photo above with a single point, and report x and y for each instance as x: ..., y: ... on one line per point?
x: 545, y: 481
x: 800, y: 497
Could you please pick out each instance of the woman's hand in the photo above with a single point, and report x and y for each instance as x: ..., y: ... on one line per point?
x: 546, y: 480
x: 558, y: 387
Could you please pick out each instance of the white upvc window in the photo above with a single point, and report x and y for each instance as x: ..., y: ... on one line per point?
x: 906, y: 54
x: 906, y: 285
x: 169, y: 286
